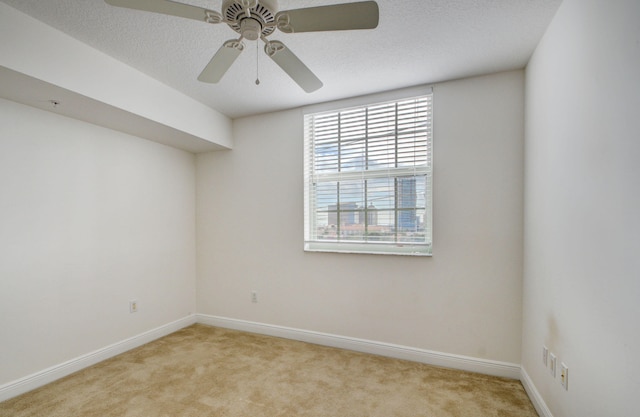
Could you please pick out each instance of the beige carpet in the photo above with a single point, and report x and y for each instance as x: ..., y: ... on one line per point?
x: 207, y: 371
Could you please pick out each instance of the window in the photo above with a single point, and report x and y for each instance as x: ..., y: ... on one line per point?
x: 368, y: 178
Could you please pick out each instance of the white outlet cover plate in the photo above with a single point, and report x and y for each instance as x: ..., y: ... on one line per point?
x: 564, y: 375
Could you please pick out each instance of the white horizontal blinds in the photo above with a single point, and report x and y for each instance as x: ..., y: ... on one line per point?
x: 368, y: 174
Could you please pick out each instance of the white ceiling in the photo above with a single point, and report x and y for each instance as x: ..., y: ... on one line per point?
x: 417, y: 42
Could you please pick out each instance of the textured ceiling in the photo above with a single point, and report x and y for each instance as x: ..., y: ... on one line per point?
x: 417, y: 42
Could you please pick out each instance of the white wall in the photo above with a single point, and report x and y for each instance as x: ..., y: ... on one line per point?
x: 464, y: 300
x: 89, y: 219
x: 582, y: 199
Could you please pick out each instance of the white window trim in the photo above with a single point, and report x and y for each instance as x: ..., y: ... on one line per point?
x: 385, y: 248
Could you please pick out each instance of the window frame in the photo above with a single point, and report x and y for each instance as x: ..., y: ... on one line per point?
x: 312, y: 244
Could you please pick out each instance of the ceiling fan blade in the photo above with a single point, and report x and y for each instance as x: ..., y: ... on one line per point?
x: 221, y: 61
x: 347, y: 16
x: 171, y: 8
x: 292, y: 65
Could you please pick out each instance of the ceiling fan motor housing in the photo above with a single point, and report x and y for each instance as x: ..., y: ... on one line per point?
x: 251, y: 28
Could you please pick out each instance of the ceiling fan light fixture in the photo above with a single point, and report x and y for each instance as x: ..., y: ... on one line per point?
x: 250, y: 29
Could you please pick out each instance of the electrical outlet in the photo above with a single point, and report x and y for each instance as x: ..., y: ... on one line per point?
x: 545, y: 355
x: 564, y: 375
x: 552, y: 364
x: 254, y: 296
x: 133, y: 306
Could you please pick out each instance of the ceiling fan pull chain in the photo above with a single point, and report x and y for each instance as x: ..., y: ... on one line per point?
x: 257, y: 65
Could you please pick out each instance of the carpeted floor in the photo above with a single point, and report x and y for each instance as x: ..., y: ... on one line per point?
x: 207, y: 371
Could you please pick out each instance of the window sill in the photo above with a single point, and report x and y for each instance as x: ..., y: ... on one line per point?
x: 369, y: 249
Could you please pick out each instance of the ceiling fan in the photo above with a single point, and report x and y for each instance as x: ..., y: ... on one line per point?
x: 257, y: 19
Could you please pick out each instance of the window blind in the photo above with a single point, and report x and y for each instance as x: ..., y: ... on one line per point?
x: 368, y: 179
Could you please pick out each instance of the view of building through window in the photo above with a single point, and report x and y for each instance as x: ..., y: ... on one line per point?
x: 394, y: 212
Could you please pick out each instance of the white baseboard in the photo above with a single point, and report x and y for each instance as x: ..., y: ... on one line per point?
x: 534, y: 395
x: 38, y: 379
x: 465, y: 363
